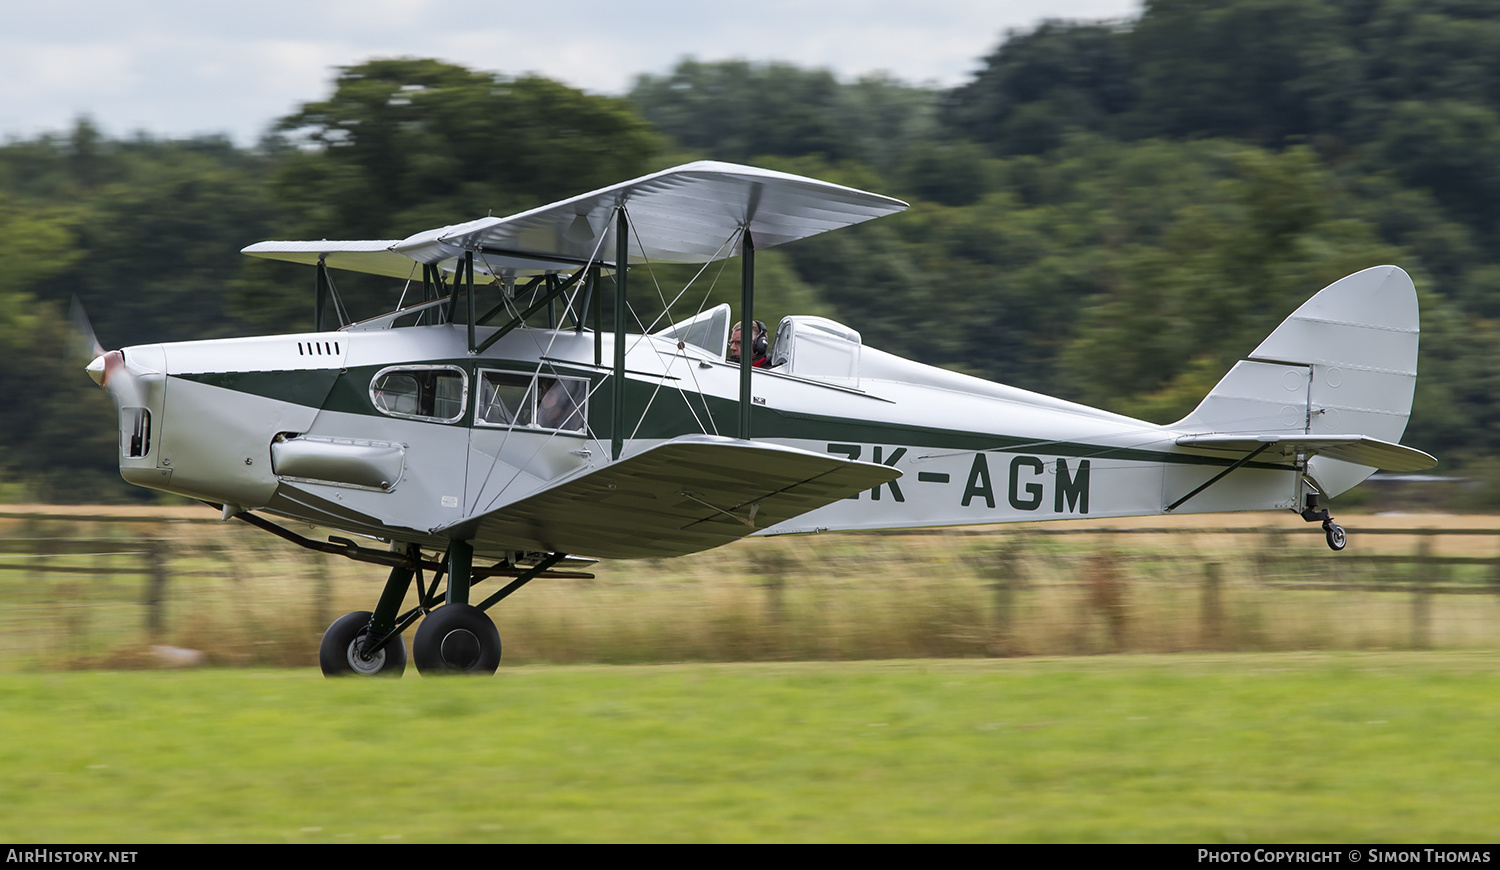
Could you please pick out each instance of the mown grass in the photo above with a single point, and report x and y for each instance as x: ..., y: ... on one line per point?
x: 1368, y: 748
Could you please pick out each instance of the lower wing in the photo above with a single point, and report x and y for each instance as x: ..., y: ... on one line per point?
x: 686, y: 495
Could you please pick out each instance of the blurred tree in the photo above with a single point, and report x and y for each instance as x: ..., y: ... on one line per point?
x: 948, y: 173
x: 741, y: 111
x: 407, y: 144
x: 36, y: 243
x: 1451, y: 149
x: 58, y: 429
x: 1454, y: 415
x: 1039, y: 86
x: 161, y: 250
x: 1266, y: 71
x: 1427, y: 49
x: 1175, y: 316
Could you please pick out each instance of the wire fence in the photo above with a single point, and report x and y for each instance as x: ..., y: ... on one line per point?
x: 98, y: 590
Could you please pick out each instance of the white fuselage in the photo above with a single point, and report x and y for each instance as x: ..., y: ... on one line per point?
x: 970, y: 451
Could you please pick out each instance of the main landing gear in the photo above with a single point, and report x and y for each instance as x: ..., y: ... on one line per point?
x: 455, y: 637
x: 1332, y: 531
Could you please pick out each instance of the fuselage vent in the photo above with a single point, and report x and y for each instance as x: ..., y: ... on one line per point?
x: 317, y: 348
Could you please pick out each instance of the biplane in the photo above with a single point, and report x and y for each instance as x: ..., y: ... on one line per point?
x: 494, y: 426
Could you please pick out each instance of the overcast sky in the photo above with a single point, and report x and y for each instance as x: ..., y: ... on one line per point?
x: 175, y: 68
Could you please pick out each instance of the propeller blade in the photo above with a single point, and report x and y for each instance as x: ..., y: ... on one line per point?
x: 85, y: 341
x: 108, y: 369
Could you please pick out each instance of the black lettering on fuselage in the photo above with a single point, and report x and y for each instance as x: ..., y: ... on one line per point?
x: 1027, y: 485
x: 896, y: 454
x: 853, y: 450
x: 979, y: 482
x: 1074, y: 490
x: 1033, y: 499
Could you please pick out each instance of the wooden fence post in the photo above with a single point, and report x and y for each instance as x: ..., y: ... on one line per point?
x: 1211, y: 626
x: 323, y: 594
x: 1421, y: 599
x: 156, y: 587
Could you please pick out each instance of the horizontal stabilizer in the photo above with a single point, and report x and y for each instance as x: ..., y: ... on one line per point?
x: 1356, y: 449
x: 686, y: 495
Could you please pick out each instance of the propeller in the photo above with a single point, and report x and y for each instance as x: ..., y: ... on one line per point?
x: 108, y: 368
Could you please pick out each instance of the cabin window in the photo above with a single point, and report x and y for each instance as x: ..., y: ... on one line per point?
x: 437, y: 393
x: 511, y: 399
x: 709, y: 330
x: 505, y: 400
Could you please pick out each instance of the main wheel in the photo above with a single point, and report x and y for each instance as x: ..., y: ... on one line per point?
x: 1335, y: 535
x: 340, y: 654
x: 456, y: 639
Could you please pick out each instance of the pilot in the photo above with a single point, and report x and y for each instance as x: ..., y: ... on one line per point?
x: 556, y: 409
x: 758, y: 346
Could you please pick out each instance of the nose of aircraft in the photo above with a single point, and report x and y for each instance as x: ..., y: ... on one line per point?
x: 109, y: 371
x: 96, y: 370
x: 108, y: 367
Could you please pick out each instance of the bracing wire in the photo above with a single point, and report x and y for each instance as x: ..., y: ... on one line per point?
x: 542, y: 353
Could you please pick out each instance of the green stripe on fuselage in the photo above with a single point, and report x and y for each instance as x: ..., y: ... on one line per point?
x: 668, y: 414
x: 307, y: 387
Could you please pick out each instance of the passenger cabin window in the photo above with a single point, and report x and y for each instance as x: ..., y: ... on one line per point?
x: 511, y: 399
x: 436, y: 393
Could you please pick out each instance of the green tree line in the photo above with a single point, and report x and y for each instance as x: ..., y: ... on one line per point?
x: 1112, y: 212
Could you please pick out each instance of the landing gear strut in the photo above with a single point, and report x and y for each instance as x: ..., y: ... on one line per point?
x: 1332, y: 531
x: 455, y: 638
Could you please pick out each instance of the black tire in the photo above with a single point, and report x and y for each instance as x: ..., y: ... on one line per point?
x: 339, y: 656
x: 1337, y: 540
x: 456, y: 639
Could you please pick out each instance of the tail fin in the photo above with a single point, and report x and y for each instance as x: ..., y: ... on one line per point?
x: 1345, y: 363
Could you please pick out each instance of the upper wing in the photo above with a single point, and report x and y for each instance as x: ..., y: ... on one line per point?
x: 687, y: 214
x: 1358, y: 449
x: 689, y: 494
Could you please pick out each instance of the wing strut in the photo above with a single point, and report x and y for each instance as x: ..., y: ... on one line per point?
x: 747, y: 326
x: 622, y: 265
x: 1217, y: 477
x: 325, y: 290
x: 545, y: 301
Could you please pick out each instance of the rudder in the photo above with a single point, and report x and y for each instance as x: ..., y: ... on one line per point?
x: 1345, y: 363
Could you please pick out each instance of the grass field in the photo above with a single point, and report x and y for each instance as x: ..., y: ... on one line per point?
x: 1228, y: 583
x: 1290, y: 747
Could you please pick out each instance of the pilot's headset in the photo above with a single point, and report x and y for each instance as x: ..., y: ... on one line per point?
x: 759, y: 345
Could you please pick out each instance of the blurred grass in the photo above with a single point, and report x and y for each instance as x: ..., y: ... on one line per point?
x: 1267, y: 583
x: 1315, y: 748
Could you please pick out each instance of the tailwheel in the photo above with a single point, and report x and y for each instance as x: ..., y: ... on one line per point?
x: 1335, y: 535
x: 456, y: 639
x: 342, y: 652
